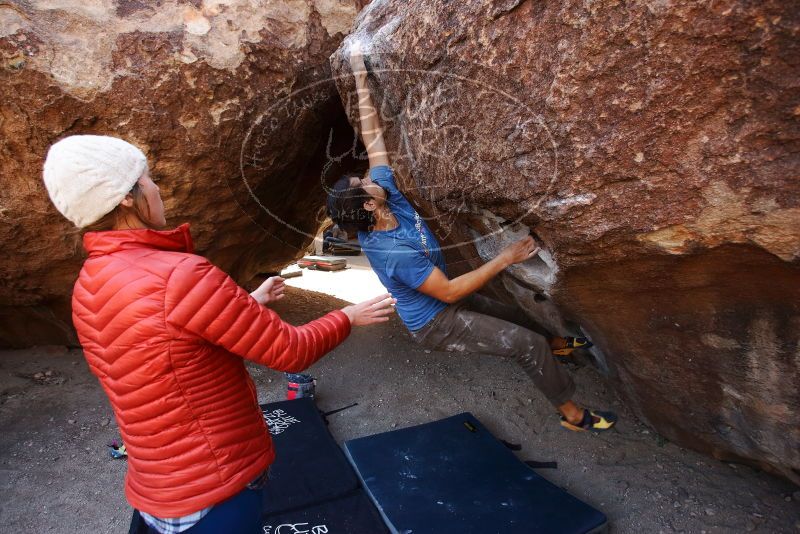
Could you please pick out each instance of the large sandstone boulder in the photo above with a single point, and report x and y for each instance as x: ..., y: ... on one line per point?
x: 231, y: 101
x: 653, y: 149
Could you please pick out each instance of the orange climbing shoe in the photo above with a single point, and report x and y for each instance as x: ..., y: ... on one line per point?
x: 572, y: 343
x: 593, y: 421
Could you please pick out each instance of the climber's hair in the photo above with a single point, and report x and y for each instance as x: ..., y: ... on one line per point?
x: 346, y: 206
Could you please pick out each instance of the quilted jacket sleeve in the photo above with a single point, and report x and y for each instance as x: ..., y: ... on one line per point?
x: 202, y: 299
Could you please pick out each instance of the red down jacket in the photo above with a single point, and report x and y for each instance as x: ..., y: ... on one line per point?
x: 165, y: 332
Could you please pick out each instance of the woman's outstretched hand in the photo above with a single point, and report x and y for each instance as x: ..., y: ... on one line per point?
x: 270, y: 291
x: 374, y: 310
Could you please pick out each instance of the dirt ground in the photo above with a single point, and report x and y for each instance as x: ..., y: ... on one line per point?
x: 56, y: 474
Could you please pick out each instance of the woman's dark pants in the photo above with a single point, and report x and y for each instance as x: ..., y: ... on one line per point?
x: 241, y: 514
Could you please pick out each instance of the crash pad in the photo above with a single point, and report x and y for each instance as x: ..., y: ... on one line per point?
x: 309, y: 466
x: 454, y: 476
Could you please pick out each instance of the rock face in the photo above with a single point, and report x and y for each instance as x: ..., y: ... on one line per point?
x: 652, y: 147
x: 231, y: 102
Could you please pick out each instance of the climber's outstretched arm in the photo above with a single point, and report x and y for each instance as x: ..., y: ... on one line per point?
x: 371, y: 131
x: 438, y: 286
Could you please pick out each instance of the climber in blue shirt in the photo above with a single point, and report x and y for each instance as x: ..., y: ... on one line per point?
x: 403, y: 254
x: 436, y: 310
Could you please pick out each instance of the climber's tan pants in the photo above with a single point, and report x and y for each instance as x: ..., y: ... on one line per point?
x: 462, y: 327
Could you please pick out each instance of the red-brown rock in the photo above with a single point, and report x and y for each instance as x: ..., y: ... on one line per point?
x: 231, y: 101
x: 653, y: 148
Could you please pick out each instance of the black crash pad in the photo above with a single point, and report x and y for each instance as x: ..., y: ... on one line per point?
x: 352, y: 514
x: 309, y: 466
x: 453, y: 476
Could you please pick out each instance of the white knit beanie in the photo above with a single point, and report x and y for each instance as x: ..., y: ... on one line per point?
x: 87, y: 176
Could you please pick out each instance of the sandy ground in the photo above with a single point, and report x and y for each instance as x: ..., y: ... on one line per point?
x: 56, y: 474
x: 355, y: 283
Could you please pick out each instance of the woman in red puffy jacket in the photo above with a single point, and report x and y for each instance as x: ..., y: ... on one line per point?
x: 166, y: 333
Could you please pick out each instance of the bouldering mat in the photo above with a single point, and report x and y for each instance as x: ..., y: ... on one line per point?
x: 352, y: 514
x: 309, y: 466
x: 453, y: 476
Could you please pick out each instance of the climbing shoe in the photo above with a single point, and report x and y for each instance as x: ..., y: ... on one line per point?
x: 572, y: 343
x: 593, y: 421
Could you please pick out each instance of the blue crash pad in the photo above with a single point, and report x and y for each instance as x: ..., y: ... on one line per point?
x: 309, y: 466
x: 453, y: 476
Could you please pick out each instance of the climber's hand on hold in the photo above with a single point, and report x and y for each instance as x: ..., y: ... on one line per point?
x: 357, y: 59
x: 520, y: 251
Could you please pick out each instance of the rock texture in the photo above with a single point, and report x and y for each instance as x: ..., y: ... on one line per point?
x: 652, y: 147
x: 231, y: 101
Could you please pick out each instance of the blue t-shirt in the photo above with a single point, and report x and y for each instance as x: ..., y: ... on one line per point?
x: 404, y: 257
